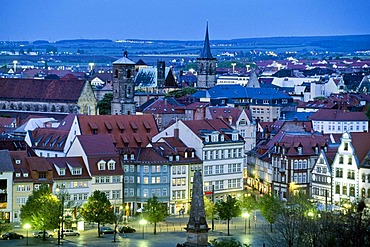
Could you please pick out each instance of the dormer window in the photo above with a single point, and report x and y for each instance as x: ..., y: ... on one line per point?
x: 132, y: 156
x: 177, y: 157
x: 111, y: 165
x: 77, y: 171
x: 101, y: 165
x: 300, y: 150
x: 170, y: 158
x: 18, y: 174
x: 17, y: 161
x: 206, y: 139
x: 222, y: 138
x: 316, y: 150
x: 25, y: 174
x: 62, y: 172
x: 186, y: 155
x: 192, y: 154
x: 214, y: 138
x: 125, y: 157
x: 235, y: 137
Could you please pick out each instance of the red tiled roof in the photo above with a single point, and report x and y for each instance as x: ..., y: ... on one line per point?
x: 74, y: 162
x: 361, y: 144
x: 338, y: 115
x: 41, y: 90
x: 226, y: 113
x: 197, y: 126
x: 39, y: 164
x: 123, y: 128
x: 22, y: 167
x: 5, y: 121
x: 95, y: 145
x: 49, y: 139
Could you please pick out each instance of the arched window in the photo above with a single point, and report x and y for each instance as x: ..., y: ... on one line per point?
x: 363, y: 193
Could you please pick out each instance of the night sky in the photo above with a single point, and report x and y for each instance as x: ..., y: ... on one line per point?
x: 29, y: 20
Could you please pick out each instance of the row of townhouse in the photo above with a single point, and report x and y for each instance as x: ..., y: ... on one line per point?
x: 334, y: 169
x: 128, y: 159
x: 342, y: 175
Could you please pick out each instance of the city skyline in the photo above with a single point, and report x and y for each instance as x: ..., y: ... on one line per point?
x: 165, y: 20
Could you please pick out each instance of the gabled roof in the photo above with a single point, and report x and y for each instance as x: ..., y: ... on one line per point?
x: 97, y: 145
x: 361, y: 144
x: 229, y: 114
x: 122, y: 128
x: 39, y: 164
x: 124, y: 60
x: 22, y: 167
x: 337, y: 115
x: 5, y: 162
x: 41, y: 90
x: 161, y: 106
x: 200, y: 127
x: 148, y: 76
x: 49, y: 139
x: 68, y: 163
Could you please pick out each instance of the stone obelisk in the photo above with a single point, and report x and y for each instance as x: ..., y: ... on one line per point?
x: 197, y: 227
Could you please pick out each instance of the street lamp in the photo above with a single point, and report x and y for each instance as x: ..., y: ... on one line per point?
x: 61, y: 214
x: 245, y: 216
x: 143, y: 223
x: 27, y: 227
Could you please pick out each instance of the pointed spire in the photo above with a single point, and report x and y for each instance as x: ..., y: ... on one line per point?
x: 206, y: 52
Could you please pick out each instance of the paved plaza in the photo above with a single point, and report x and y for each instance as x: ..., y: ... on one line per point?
x: 169, y: 233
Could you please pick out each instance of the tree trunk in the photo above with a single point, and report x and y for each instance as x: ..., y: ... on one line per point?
x: 228, y: 227
x: 99, y: 229
x: 115, y: 232
x: 155, y: 228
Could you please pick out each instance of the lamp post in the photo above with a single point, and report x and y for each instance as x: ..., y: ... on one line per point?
x: 27, y: 227
x: 245, y: 216
x: 61, y: 214
x: 143, y: 223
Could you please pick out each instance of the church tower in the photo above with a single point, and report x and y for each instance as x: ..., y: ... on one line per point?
x: 123, y: 87
x: 206, y: 73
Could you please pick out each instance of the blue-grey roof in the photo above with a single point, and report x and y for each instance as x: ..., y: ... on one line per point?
x: 6, y: 164
x: 301, y: 116
x: 147, y: 77
x: 206, y: 52
x: 123, y: 60
x: 234, y: 91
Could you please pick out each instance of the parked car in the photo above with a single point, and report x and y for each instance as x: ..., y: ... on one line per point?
x: 12, y: 235
x: 70, y: 232
x: 126, y: 229
x: 39, y: 234
x: 106, y: 230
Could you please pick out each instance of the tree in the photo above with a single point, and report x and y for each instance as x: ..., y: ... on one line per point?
x: 270, y: 207
x: 182, y: 92
x: 98, y: 209
x: 4, y: 227
x: 227, y: 242
x: 248, y: 202
x: 227, y: 210
x: 155, y: 211
x: 210, y: 209
x: 104, y: 105
x: 41, y: 209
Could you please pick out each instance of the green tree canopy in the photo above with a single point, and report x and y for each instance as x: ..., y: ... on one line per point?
x: 271, y: 208
x: 227, y: 210
x: 41, y: 210
x: 210, y: 208
x: 155, y: 211
x: 182, y: 92
x: 248, y: 202
x: 98, y: 209
x: 104, y: 105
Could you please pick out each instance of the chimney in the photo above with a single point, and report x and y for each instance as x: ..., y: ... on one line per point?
x: 176, y: 133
